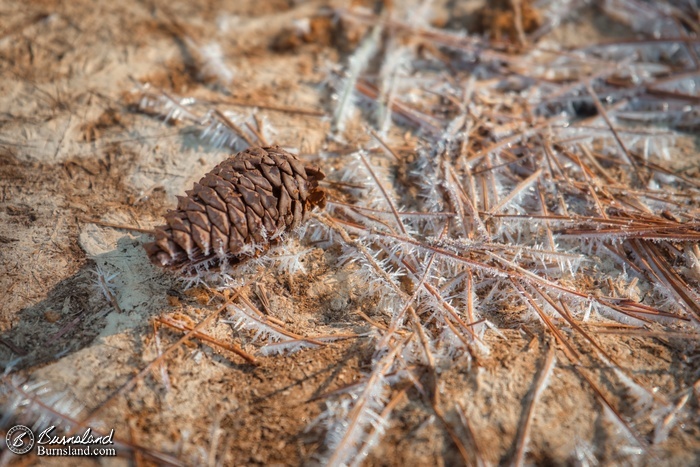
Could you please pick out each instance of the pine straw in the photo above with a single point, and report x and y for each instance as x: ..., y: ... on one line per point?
x: 543, y: 184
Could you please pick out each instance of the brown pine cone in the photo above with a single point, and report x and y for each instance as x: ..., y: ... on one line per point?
x: 237, y: 211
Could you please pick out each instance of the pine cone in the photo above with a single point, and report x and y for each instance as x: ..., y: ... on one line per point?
x: 237, y: 210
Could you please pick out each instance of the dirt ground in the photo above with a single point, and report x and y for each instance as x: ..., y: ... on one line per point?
x: 85, y: 173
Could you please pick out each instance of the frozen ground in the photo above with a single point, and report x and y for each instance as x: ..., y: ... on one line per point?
x: 443, y: 351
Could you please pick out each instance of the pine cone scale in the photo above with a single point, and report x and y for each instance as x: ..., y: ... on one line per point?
x: 246, y: 183
x: 176, y: 223
x: 259, y: 181
x: 219, y: 219
x: 298, y: 168
x: 238, y: 221
x: 268, y: 223
x: 183, y: 239
x: 290, y: 185
x: 219, y: 241
x: 252, y: 200
x: 210, y: 197
x: 284, y: 202
x: 201, y: 238
x: 235, y: 241
x: 198, y: 219
x: 272, y: 174
x: 301, y: 185
x: 254, y: 226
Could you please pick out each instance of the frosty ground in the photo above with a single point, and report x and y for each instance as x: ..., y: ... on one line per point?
x: 410, y: 322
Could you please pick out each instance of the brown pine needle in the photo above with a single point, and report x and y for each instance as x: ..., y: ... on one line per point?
x: 529, y: 300
x: 384, y: 145
x: 180, y: 326
x: 275, y: 107
x: 227, y: 121
x: 257, y: 133
x: 538, y: 387
x: 525, y: 184
x: 471, y: 434
x: 608, y: 405
x: 603, y: 113
x: 118, y: 226
x: 384, y: 193
x: 668, y: 276
x: 463, y: 452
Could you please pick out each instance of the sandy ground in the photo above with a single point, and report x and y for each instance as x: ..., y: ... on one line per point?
x: 73, y: 151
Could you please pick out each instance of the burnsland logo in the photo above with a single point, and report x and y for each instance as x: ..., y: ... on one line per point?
x: 45, y: 437
x: 20, y: 439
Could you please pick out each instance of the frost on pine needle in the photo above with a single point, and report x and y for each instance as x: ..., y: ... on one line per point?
x: 103, y: 282
x: 285, y: 260
x: 288, y: 346
x: 36, y: 404
x: 364, y: 274
x: 170, y: 108
x: 393, y: 67
x: 215, y: 128
x: 267, y: 331
x: 668, y: 417
x: 244, y: 318
x: 220, y: 134
x: 347, y: 423
x: 164, y: 376
x: 346, y: 91
x: 642, y: 17
x: 212, y: 64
